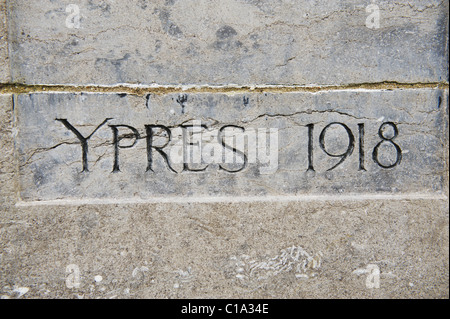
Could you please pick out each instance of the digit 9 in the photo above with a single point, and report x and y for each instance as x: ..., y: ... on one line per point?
x: 350, y: 147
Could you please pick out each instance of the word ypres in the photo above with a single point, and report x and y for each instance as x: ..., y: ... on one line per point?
x: 192, y: 145
x: 234, y: 147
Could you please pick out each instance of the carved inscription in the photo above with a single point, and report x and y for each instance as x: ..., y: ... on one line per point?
x: 351, y: 145
x: 150, y: 130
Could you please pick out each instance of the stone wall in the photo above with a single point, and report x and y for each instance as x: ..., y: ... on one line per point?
x: 224, y: 149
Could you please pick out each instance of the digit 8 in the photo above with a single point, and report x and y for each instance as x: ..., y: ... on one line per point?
x: 387, y: 140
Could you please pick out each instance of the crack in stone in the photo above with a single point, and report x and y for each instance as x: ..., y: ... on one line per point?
x: 309, y: 112
x: 42, y: 150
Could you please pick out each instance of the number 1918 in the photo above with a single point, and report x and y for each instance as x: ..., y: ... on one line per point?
x: 351, y: 145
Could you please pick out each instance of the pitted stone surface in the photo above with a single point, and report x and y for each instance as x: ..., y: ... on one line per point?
x: 4, y: 60
x: 223, y: 42
x: 317, y: 249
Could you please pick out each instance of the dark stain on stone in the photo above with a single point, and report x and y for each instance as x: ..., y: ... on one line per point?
x: 225, y: 39
x: 227, y: 45
x: 168, y: 26
x: 115, y: 63
x: 225, y: 32
x: 158, y: 44
x: 255, y: 39
x: 52, y: 14
x: 87, y: 223
x: 69, y: 47
x: 39, y: 177
x: 267, y: 7
x: 442, y: 34
x: 142, y: 4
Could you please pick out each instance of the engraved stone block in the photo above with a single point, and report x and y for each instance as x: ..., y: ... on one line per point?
x: 256, y: 144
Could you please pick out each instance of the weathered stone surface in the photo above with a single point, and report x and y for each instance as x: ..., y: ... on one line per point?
x: 223, y: 42
x: 227, y: 250
x: 4, y: 60
x: 51, y: 162
x: 292, y: 233
x: 8, y: 169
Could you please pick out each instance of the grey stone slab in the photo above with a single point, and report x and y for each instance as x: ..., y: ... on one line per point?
x: 326, y: 143
x: 223, y: 42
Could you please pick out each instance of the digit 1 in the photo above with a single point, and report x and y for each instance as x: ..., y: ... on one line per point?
x: 310, y: 147
x: 361, y: 147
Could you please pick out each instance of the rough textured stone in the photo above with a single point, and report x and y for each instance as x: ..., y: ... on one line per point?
x: 51, y: 165
x: 257, y: 249
x: 8, y: 174
x: 223, y: 42
x: 228, y: 250
x: 4, y: 56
